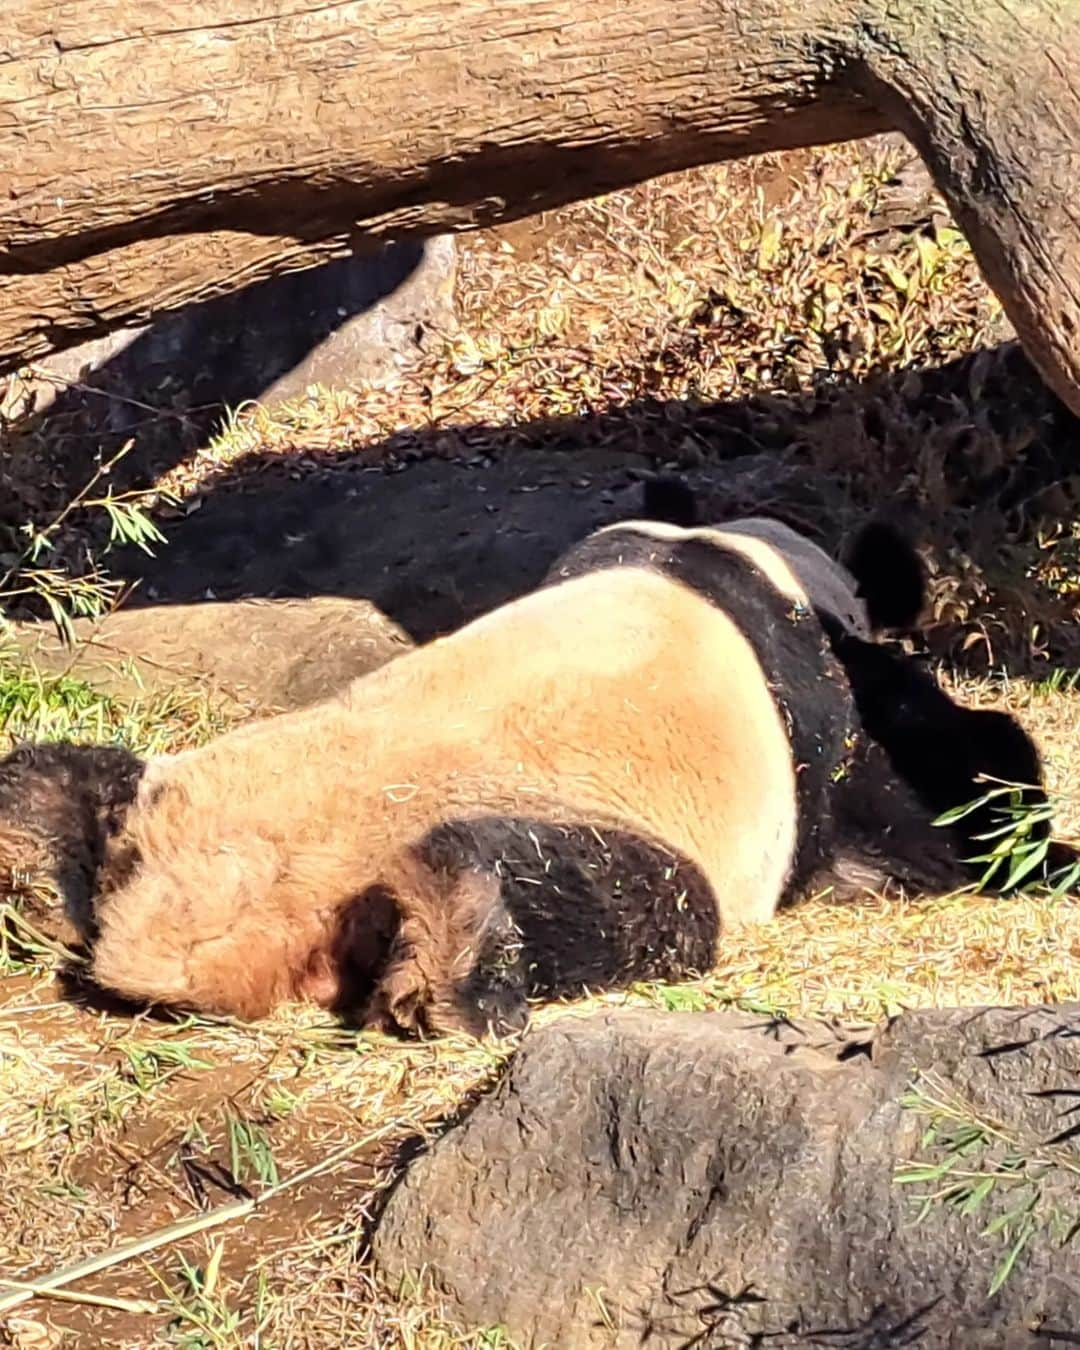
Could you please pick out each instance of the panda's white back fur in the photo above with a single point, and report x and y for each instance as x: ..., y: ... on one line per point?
x: 798, y: 568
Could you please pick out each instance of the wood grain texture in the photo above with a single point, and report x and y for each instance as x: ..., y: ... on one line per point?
x: 150, y: 163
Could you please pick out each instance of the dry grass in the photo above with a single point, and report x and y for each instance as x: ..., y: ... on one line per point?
x: 729, y: 311
x: 725, y: 283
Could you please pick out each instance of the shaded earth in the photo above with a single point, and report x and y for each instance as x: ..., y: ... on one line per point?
x: 431, y: 543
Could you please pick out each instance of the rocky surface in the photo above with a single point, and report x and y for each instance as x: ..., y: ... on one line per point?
x: 356, y: 318
x: 716, y: 1180
x: 266, y: 654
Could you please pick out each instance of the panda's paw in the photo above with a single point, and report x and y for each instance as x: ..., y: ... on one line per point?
x: 480, y: 1007
x: 400, y: 999
x: 498, y: 1013
x: 497, y: 1018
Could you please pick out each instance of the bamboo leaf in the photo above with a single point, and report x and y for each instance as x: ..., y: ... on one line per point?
x: 1026, y: 1233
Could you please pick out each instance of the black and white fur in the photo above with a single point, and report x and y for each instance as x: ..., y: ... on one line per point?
x: 948, y: 755
x: 683, y: 729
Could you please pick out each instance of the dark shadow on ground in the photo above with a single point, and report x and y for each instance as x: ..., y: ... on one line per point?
x: 436, y: 527
x: 167, y: 388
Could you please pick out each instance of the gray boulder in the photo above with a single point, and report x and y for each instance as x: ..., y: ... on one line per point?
x: 272, y: 655
x: 355, y: 318
x: 716, y: 1180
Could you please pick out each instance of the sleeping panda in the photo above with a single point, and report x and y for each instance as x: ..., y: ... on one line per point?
x: 946, y: 754
x: 579, y: 790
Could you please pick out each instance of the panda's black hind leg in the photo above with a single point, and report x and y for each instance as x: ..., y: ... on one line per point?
x: 491, y: 998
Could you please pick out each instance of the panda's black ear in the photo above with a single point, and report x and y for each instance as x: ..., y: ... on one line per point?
x: 671, y: 500
x: 890, y: 576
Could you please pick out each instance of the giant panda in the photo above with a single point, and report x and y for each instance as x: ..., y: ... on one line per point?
x: 948, y: 755
x: 579, y: 790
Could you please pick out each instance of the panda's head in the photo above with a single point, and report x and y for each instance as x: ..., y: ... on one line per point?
x: 880, y: 585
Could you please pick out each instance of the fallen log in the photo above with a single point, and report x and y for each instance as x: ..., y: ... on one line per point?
x: 152, y: 163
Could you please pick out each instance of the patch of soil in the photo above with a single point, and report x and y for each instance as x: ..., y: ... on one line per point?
x: 172, y: 1161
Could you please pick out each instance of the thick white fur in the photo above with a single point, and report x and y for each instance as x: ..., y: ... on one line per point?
x: 795, y: 565
x: 618, y: 698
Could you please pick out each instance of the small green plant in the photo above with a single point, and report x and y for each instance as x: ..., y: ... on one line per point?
x: 276, y: 1101
x: 977, y: 1162
x: 37, y: 706
x: 1059, y: 681
x: 493, y: 1338
x: 202, y: 1318
x: 250, y: 1154
x: 78, y: 1111
x: 1018, y: 844
x: 706, y: 996
x: 675, y: 997
x: 149, y: 1062
x: 29, y: 575
x: 41, y: 707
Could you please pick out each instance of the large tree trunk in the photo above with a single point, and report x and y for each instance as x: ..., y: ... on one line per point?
x: 151, y: 162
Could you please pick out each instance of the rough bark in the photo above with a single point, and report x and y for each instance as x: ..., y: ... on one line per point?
x: 717, y: 1180
x: 152, y: 163
x: 990, y: 96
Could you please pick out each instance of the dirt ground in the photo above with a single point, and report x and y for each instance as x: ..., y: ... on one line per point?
x: 805, y: 334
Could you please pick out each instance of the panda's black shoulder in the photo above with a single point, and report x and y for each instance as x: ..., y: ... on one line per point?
x: 618, y: 546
